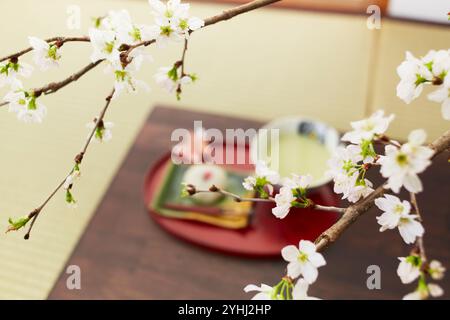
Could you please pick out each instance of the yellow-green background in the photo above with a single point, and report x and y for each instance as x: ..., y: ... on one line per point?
x: 263, y: 64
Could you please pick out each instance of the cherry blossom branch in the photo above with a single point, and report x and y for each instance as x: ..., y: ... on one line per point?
x: 230, y: 13
x: 183, y: 56
x: 419, y: 241
x: 385, y: 140
x: 353, y: 212
x: 55, y: 86
x: 235, y: 197
x: 59, y: 41
x: 225, y: 15
x: 127, y: 49
x: 192, y: 190
x: 78, y: 159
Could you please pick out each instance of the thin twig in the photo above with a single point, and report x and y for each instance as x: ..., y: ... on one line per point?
x: 183, y: 57
x: 59, y: 40
x: 230, y: 13
x: 238, y: 198
x: 55, y: 86
x: 328, y: 208
x: 79, y: 158
x: 419, y: 242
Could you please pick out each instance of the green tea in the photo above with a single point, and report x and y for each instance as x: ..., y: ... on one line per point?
x: 302, y: 155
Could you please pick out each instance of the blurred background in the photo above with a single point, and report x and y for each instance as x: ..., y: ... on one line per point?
x: 302, y: 57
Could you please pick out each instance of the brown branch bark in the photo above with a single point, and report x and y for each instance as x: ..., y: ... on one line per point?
x: 353, y: 212
x: 55, y: 86
x: 59, y: 40
x: 419, y: 241
x: 230, y: 13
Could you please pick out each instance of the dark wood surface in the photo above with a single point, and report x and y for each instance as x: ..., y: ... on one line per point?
x: 123, y: 254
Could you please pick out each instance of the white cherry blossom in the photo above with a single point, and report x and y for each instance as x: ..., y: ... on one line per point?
x: 10, y: 71
x: 442, y: 95
x: 263, y: 171
x: 408, y: 269
x: 25, y: 105
x: 105, y: 45
x: 297, y: 181
x: 263, y: 180
x: 438, y: 62
x: 401, y: 165
x: 303, y: 260
x: 172, y: 21
x: 436, y: 270
x: 264, y: 292
x: 169, y: 78
x: 300, y: 291
x: 366, y: 129
x: 357, y: 189
x: 70, y: 180
x: 283, y: 201
x: 125, y: 30
x: 103, y: 132
x: 423, y: 291
x: 249, y: 183
x: 413, y: 75
x: 344, y: 168
x: 46, y: 55
x: 396, y: 215
x: 125, y: 81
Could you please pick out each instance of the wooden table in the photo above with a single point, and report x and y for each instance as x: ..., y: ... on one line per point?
x: 123, y: 254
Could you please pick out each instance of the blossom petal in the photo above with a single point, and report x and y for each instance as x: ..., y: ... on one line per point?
x: 307, y: 246
x: 290, y: 253
x: 435, y: 290
x: 316, y: 259
x: 299, y: 292
x: 309, y: 272
x: 294, y: 269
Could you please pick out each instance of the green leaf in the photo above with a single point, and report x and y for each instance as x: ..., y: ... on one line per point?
x: 183, y: 24
x: 414, y: 260
x: 69, y: 197
x: 367, y: 149
x: 120, y: 75
x: 99, y: 133
x: 32, y: 104
x: 173, y: 74
x: 53, y: 52
x: 17, y: 224
x: 136, y: 34
x: 420, y: 80
x: 194, y: 77
x: 97, y: 21
x: 429, y: 65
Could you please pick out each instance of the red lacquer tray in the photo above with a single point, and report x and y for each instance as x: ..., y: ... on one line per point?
x: 265, y: 235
